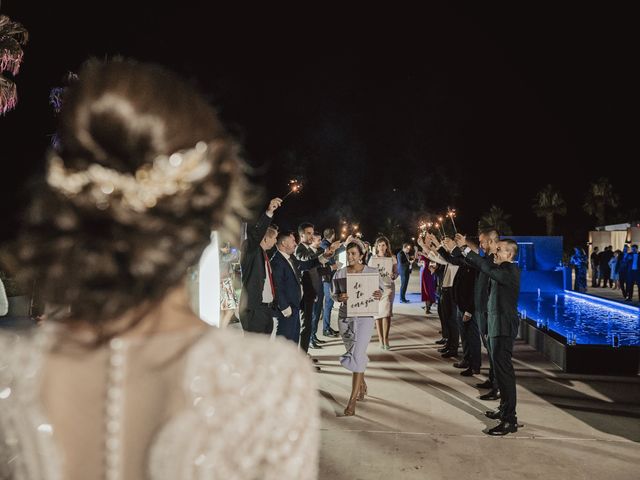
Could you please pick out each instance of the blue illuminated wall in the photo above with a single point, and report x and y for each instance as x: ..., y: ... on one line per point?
x: 540, y: 261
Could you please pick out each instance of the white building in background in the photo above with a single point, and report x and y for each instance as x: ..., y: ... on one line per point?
x: 615, y: 235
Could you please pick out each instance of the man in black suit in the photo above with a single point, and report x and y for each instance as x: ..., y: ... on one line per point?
x: 594, y: 267
x: 633, y: 272
x: 288, y: 287
x: 404, y: 267
x: 256, y: 307
x: 327, y: 304
x: 488, y: 242
x: 503, y: 322
x: 447, y: 308
x: 310, y: 257
x: 463, y: 295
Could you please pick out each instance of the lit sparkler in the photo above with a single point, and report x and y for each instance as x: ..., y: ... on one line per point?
x: 451, y: 213
x: 295, y: 186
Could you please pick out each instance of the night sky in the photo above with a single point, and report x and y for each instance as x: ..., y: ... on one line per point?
x: 380, y: 111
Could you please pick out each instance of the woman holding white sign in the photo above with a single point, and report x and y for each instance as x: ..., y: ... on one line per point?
x: 387, y: 265
x: 359, y: 288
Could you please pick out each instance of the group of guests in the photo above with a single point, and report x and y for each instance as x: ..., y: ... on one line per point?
x: 293, y: 285
x: 296, y: 283
x: 617, y: 269
x: 478, y: 298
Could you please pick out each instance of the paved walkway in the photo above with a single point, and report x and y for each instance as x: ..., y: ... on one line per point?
x: 611, y: 294
x: 423, y: 420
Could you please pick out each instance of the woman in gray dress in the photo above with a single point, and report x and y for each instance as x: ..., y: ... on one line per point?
x: 355, y: 331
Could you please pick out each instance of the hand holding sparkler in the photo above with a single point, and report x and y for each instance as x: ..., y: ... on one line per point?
x: 422, y: 243
x: 449, y: 244
x: 333, y: 247
x: 274, y: 204
x: 434, y: 241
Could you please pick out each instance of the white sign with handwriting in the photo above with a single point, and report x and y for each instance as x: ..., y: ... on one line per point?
x: 384, y: 266
x: 360, y: 288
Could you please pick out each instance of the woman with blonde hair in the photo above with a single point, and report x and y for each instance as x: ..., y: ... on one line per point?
x: 382, y: 250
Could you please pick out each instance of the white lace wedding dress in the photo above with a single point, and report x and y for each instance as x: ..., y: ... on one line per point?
x: 196, y: 404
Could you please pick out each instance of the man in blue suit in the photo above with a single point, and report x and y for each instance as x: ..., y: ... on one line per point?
x: 405, y: 262
x: 288, y: 287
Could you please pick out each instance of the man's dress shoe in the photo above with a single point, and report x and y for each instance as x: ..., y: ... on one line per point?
x: 503, y: 428
x: 493, y: 414
x: 492, y: 395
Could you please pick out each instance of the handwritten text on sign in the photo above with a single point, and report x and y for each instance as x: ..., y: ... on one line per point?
x: 360, y: 288
x: 384, y: 266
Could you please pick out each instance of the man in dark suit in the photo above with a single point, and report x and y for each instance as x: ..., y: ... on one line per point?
x: 605, y: 270
x: 488, y: 242
x: 594, y: 267
x: 258, y: 291
x: 310, y: 257
x: 327, y: 303
x: 404, y: 268
x: 463, y: 295
x: 503, y: 322
x: 633, y: 272
x: 288, y: 287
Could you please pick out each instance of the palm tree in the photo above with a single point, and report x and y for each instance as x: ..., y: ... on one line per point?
x: 495, y: 218
x: 12, y: 37
x: 547, y: 204
x: 599, y: 197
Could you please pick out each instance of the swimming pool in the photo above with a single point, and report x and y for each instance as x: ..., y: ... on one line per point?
x: 583, y: 319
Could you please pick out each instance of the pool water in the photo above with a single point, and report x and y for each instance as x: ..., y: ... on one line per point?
x: 582, y: 320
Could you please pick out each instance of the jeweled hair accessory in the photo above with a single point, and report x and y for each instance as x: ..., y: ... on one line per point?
x: 165, y: 176
x: 359, y: 242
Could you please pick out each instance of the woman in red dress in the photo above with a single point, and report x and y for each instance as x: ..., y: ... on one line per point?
x: 427, y: 280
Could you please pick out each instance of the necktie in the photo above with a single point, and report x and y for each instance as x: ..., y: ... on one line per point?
x: 268, y: 264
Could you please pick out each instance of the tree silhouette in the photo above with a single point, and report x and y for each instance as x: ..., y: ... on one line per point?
x: 547, y: 204
x: 600, y: 196
x: 495, y: 218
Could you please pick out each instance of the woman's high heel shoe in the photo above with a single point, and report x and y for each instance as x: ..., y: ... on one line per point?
x: 362, y: 391
x: 351, y: 408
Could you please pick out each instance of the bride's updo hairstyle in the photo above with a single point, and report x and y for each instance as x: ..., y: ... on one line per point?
x: 144, y: 172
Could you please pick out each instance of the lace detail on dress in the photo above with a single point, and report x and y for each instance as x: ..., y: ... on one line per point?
x: 27, y: 449
x: 252, y: 414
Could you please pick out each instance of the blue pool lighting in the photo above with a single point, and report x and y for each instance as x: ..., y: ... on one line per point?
x: 583, y: 319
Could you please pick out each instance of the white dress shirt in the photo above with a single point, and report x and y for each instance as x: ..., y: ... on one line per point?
x: 267, y: 292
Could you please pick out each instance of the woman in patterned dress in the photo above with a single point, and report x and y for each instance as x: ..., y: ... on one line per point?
x: 355, y: 331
